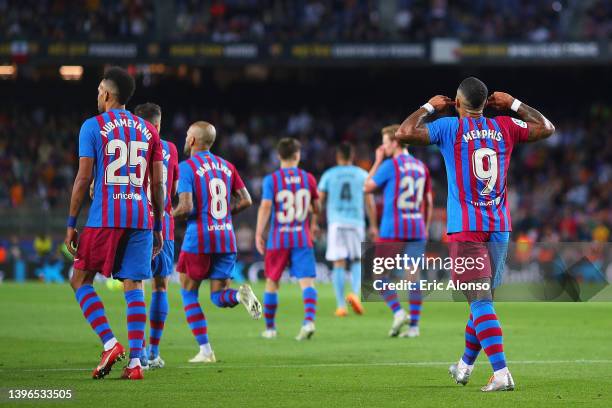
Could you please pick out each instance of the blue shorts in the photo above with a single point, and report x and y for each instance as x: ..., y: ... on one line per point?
x: 301, y: 262
x: 498, y: 250
x: 134, y: 256
x: 207, y: 266
x: 163, y: 264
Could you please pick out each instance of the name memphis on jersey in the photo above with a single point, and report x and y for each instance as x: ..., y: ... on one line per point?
x: 125, y: 122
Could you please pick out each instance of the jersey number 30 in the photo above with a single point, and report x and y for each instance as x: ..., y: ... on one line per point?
x: 294, y: 206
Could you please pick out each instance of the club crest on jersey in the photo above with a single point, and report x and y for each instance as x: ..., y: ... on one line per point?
x: 520, y: 123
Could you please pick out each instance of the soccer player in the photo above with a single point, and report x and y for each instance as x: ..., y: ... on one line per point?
x: 163, y: 264
x: 407, y: 209
x: 342, y: 188
x: 118, y: 151
x: 476, y: 151
x: 210, y: 192
x: 289, y: 196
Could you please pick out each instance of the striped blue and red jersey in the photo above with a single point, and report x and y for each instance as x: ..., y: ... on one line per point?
x: 124, y: 147
x: 405, y: 181
x: 477, y: 154
x: 211, y: 180
x: 170, y: 176
x: 291, y: 191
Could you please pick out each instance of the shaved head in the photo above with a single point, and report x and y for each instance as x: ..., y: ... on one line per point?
x: 201, y: 135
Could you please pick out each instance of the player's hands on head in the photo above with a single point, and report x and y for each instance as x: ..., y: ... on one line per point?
x: 260, y: 244
x: 500, y: 101
x: 158, y: 242
x: 441, y: 102
x: 71, y: 240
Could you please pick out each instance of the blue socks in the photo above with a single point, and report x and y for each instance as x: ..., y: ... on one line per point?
x: 356, y: 277
x: 225, y: 298
x: 136, y: 321
x: 338, y: 281
x: 195, y: 316
x: 270, y: 303
x: 93, y: 310
x: 157, y: 318
x: 488, y: 332
x: 309, y: 296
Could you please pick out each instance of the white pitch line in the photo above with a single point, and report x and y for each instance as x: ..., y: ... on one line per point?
x: 334, y: 365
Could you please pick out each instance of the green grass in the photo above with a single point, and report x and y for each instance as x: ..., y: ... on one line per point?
x: 45, y: 343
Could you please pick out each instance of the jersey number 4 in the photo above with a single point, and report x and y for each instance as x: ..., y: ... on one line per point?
x: 294, y: 206
x: 127, y: 153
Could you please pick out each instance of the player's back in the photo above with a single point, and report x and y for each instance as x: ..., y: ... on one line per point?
x: 122, y: 146
x: 477, y: 154
x: 291, y: 191
x: 345, y: 197
x: 211, y: 180
x: 405, y: 180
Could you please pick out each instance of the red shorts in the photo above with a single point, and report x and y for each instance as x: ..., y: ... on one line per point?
x: 206, y: 266
x: 97, y: 249
x: 470, y: 253
x: 301, y: 263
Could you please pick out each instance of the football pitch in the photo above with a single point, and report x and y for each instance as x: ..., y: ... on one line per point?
x: 560, y: 354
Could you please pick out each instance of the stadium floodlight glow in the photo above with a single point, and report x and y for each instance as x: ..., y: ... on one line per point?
x: 71, y: 72
x: 7, y: 71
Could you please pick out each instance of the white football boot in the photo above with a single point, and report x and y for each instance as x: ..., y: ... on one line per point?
x: 460, y: 372
x: 306, y: 331
x: 502, y: 382
x: 411, y: 332
x: 400, y: 318
x: 250, y: 301
x: 157, y: 362
x: 269, y: 334
x: 202, y: 357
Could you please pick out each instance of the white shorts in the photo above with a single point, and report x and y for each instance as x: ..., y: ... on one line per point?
x: 344, y: 242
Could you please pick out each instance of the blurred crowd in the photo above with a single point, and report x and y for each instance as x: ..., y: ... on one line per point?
x: 559, y: 189
x: 311, y: 20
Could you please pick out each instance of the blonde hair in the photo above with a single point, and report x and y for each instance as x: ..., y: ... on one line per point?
x: 390, y: 131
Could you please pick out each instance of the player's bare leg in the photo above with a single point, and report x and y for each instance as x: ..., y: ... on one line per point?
x: 338, y: 281
x: 310, y: 303
x: 93, y: 310
x: 270, y: 304
x: 159, y: 288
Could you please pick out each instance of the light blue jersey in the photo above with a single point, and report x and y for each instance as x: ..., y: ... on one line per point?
x: 344, y: 188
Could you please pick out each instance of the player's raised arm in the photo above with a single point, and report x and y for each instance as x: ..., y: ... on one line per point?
x: 539, y: 126
x: 241, y: 200
x: 413, y: 130
x: 82, y: 182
